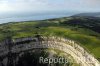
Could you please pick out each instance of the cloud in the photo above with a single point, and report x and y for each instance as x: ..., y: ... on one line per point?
x: 48, y: 5
x: 94, y: 3
x: 23, y: 5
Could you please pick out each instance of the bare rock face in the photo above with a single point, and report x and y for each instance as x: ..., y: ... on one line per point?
x: 28, y: 51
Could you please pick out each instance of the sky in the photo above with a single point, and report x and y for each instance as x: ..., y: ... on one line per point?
x: 45, y: 6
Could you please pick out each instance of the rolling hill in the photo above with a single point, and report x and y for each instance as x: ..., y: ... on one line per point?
x: 84, y: 30
x: 96, y: 14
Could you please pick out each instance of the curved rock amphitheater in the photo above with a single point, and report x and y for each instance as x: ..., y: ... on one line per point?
x: 80, y: 55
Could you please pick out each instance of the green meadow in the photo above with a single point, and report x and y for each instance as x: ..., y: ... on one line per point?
x: 84, y: 31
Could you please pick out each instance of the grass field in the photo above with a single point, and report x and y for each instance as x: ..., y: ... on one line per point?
x: 81, y: 31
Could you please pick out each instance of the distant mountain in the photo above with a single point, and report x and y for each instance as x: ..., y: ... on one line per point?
x: 96, y: 14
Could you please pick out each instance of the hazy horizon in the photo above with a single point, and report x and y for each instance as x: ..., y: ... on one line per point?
x: 32, y: 17
x: 59, y: 8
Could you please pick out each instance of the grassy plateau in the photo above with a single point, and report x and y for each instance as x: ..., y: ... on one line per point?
x: 84, y: 30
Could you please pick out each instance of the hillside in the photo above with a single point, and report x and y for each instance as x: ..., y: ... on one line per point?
x: 85, y: 31
x: 95, y: 14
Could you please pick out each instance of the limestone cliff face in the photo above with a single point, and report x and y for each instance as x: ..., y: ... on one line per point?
x: 68, y: 46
